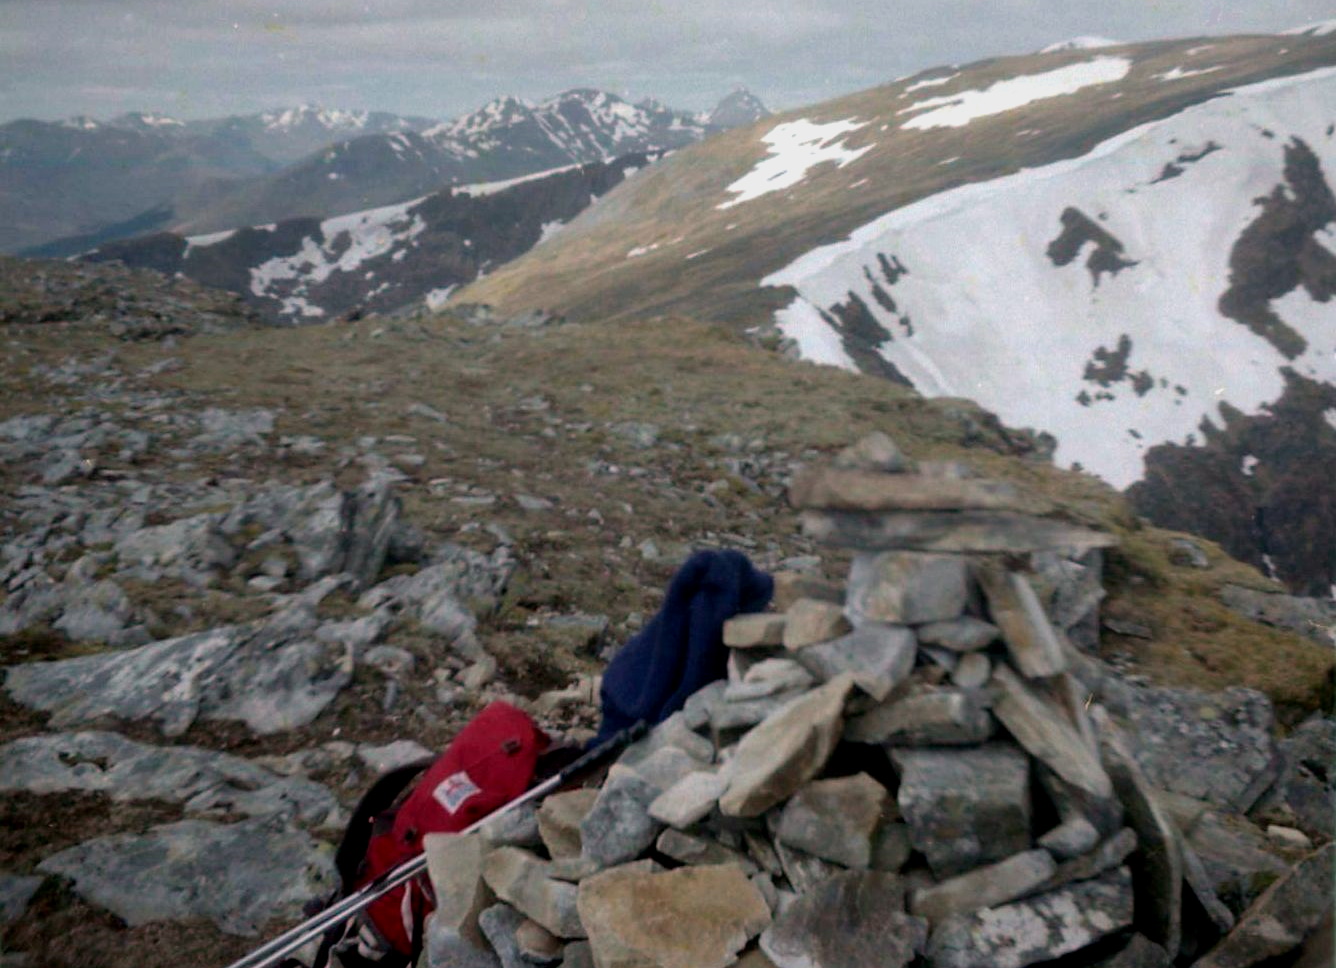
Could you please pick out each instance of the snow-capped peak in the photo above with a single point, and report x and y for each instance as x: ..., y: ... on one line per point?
x: 313, y: 114
x: 1319, y: 29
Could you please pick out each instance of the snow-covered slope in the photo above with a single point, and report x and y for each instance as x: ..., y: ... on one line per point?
x: 1111, y: 290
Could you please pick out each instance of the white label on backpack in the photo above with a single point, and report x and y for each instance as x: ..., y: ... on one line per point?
x: 454, y: 790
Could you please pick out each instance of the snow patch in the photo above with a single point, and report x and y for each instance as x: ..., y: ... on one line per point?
x: 695, y: 255
x: 437, y: 298
x: 795, y: 148
x: 640, y: 250
x: 1330, y: 417
x: 958, y: 110
x: 930, y: 82
x: 1319, y: 29
x: 204, y: 241
x: 1248, y: 465
x: 549, y: 229
x: 972, y: 267
x: 1178, y: 73
x: 491, y: 188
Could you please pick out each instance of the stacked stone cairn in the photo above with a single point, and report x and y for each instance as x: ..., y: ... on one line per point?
x: 902, y: 770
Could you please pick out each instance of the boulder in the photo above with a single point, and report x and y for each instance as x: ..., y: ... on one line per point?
x: 973, y: 671
x: 834, y: 819
x: 873, y: 452
x: 1071, y: 838
x: 1281, y: 919
x: 273, y: 677
x: 206, y: 782
x: 699, y: 851
x: 692, y: 917
x: 500, y: 924
x: 852, y: 920
x: 754, y: 631
x: 965, y: 807
x: 1036, y: 929
x: 840, y: 489
x: 240, y: 876
x: 904, y: 588
x: 786, y: 750
x: 1216, y: 747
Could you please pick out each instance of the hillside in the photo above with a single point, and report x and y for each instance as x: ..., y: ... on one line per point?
x: 172, y: 500
x: 1094, y: 243
x: 383, y: 259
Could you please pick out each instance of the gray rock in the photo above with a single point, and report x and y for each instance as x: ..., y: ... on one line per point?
x: 664, y: 767
x: 578, y: 954
x: 948, y: 531
x: 206, y: 782
x: 1140, y: 952
x: 514, y: 828
x: 879, y: 657
x: 1029, y: 636
x: 1186, y: 552
x: 445, y: 948
x: 973, y: 671
x: 1282, y: 918
x: 785, y: 751
x: 729, y: 719
x: 924, y: 718
x: 965, y: 807
x: 15, y: 892
x: 98, y: 611
x: 1306, y: 779
x: 191, y: 548
x: 273, y: 677
x: 455, y: 866
x: 501, y: 924
x: 1036, y: 929
x: 677, y: 730
x: 805, y: 872
x: 853, y: 920
x: 1158, y: 870
x: 230, y: 429
x: 809, y: 621
x: 1311, y: 617
x: 754, y: 631
x: 559, y: 818
x: 1197, y: 881
x: 240, y: 876
x: 983, y: 887
x: 964, y: 634
x: 618, y: 828
x: 1071, y: 591
x: 390, y: 659
x: 1038, y: 723
x: 686, y: 849
x: 521, y: 879
x: 769, y: 677
x: 1237, y: 859
x: 390, y: 756
x: 1106, y: 855
x: 1216, y: 747
x: 873, y: 452
x: 1071, y: 838
x: 834, y: 819
x: 689, y: 800
x: 904, y: 588
x: 891, y: 847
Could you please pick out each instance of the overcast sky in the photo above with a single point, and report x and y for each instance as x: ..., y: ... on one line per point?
x: 440, y: 58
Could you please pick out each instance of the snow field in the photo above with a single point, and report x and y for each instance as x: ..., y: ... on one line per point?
x: 795, y: 148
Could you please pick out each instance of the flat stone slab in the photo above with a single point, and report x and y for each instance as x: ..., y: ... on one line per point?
x: 1015, y: 609
x: 926, y: 718
x: 858, y: 490
x: 879, y: 657
x: 964, y: 634
x: 786, y: 750
x: 983, y: 887
x: 689, y: 800
x: 271, y: 677
x: 754, y: 631
x: 692, y: 917
x: 965, y: 807
x: 208, y: 783
x: 521, y: 879
x: 1035, y: 721
x: 240, y: 876
x: 906, y: 588
x: 852, y: 919
x: 1216, y: 747
x: 1036, y: 929
x: 949, y: 531
x: 618, y: 827
x: 809, y: 620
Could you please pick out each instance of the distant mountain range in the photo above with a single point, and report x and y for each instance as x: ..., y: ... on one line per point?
x: 68, y: 186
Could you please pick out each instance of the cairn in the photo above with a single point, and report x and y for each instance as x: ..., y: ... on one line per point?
x: 906, y: 767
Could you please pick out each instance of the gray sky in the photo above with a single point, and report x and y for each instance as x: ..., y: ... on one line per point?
x: 440, y: 58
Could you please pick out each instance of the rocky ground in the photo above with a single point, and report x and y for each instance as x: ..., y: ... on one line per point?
x: 245, y: 569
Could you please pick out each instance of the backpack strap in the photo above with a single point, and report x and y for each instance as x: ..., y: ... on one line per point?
x: 376, y: 801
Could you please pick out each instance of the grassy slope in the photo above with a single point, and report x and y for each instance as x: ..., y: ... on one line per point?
x: 529, y: 411
x: 585, y: 271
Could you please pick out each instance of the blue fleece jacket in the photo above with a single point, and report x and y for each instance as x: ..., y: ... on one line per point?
x: 682, y: 647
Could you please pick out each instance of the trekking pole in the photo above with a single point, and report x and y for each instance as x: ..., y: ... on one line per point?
x: 289, y: 941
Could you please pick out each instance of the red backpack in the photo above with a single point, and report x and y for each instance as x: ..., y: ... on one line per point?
x: 491, y: 762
